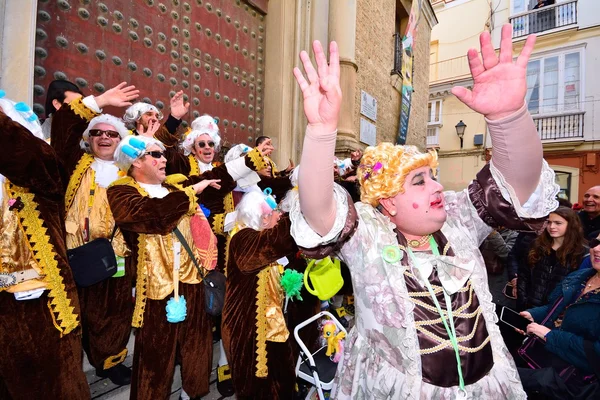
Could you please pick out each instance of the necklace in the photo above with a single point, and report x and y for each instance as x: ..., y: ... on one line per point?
x: 416, y: 243
x: 590, y: 283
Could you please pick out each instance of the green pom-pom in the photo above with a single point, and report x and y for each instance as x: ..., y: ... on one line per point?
x: 291, y: 282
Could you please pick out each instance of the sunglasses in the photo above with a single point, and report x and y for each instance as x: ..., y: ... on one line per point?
x: 108, y: 133
x: 594, y: 243
x: 202, y: 144
x: 155, y: 154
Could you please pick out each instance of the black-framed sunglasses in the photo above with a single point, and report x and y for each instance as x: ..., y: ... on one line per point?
x: 203, y: 144
x: 155, y: 154
x: 109, y: 133
x: 594, y: 243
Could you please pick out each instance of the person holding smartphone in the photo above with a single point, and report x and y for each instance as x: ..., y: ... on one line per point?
x: 572, y: 334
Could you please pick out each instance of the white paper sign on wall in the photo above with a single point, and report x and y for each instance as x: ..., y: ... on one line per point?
x: 368, y: 132
x: 368, y: 105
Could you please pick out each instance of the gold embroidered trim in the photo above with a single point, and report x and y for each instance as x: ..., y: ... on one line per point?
x: 261, y: 323
x: 115, y: 360
x: 194, y: 168
x: 140, y: 284
x: 257, y: 159
x: 83, y: 165
x: 192, y: 197
x: 45, y: 256
x: 228, y: 204
x: 218, y: 224
x: 81, y: 110
x: 175, y: 179
x: 129, y: 181
x: 434, y: 309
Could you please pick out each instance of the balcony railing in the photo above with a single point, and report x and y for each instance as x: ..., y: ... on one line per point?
x: 544, y: 19
x: 433, y: 136
x: 449, y: 69
x: 563, y: 126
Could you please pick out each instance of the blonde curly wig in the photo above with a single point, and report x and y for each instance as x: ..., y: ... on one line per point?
x: 383, y: 170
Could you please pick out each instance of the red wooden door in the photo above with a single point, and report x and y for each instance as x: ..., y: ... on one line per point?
x: 212, y: 50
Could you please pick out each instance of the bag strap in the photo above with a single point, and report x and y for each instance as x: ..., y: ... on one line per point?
x: 592, y: 357
x: 187, y: 248
x: 554, y: 307
x: 114, y: 232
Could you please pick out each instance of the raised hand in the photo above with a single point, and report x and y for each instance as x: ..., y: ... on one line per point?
x: 500, y: 84
x: 118, y: 96
x: 153, y: 127
x: 322, y: 93
x: 290, y: 166
x: 178, y: 107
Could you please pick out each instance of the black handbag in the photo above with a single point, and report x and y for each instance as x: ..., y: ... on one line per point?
x: 214, y: 282
x: 93, y: 262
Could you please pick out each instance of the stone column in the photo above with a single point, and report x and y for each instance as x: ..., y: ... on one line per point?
x: 17, y: 48
x: 342, y: 29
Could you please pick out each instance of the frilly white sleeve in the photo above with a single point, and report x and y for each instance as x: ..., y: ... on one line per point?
x: 90, y: 102
x: 540, y: 203
x: 304, y: 235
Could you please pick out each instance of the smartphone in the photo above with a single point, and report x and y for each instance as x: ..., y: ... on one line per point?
x: 514, y: 319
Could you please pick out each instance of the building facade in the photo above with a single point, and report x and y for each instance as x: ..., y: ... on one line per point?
x: 232, y: 58
x: 562, y: 94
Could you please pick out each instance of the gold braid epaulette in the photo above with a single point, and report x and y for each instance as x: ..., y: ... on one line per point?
x: 194, y: 168
x: 262, y: 370
x: 81, y: 110
x: 141, y: 283
x: 257, y: 159
x: 44, y: 253
x: 75, y: 181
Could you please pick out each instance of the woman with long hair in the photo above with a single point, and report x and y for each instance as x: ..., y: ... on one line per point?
x: 558, y: 251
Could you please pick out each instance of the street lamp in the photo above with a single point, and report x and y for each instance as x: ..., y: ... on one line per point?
x: 460, y: 131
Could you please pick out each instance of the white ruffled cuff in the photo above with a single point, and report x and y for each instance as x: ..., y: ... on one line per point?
x: 90, y: 102
x: 305, y: 236
x: 540, y: 203
x: 240, y: 173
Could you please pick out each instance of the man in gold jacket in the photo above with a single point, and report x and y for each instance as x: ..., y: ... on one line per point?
x: 39, y: 328
x: 86, y: 141
x: 147, y: 206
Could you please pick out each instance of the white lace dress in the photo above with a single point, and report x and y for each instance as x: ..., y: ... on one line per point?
x: 382, y: 355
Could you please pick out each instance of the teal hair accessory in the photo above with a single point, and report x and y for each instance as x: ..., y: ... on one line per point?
x: 2, y: 93
x: 21, y: 107
x: 269, y: 198
x: 176, y: 310
x: 130, y: 151
x: 137, y: 143
x: 291, y: 282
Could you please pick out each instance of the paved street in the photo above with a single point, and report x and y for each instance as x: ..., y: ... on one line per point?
x: 104, y: 389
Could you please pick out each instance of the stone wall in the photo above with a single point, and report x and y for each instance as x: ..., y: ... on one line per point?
x: 375, y: 27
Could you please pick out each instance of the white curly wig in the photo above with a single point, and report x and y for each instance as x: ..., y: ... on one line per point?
x: 103, y: 119
x: 135, y: 112
x: 251, y: 210
x: 200, y: 126
x: 133, y: 147
x: 236, y: 152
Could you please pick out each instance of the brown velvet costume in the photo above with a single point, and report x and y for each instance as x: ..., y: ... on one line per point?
x: 107, y: 306
x: 250, y: 253
x: 39, y: 338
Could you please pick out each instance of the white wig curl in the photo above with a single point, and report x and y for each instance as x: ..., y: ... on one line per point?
x: 132, y: 148
x: 135, y: 112
x: 103, y: 119
x: 22, y: 114
x: 251, y: 210
x: 204, y: 124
